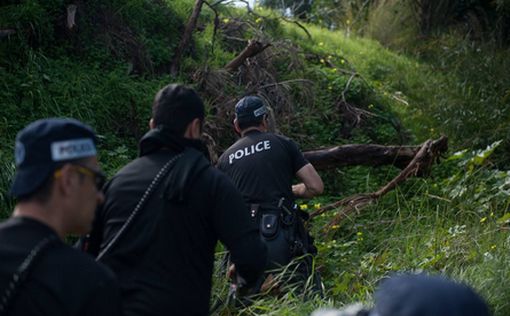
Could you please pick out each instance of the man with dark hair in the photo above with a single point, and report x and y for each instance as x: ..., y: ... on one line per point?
x: 57, y: 186
x: 164, y: 213
x: 263, y: 166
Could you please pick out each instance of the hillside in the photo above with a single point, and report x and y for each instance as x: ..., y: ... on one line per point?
x: 325, y: 88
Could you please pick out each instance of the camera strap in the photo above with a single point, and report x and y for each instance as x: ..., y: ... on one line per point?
x: 23, y: 271
x: 141, y: 203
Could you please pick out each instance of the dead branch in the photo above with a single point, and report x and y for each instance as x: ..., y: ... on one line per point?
x: 369, y: 155
x: 253, y: 48
x: 216, y: 21
x: 429, y: 152
x: 186, y: 37
x: 299, y: 25
x: 71, y: 15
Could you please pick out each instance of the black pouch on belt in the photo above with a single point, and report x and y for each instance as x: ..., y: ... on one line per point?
x: 269, y: 225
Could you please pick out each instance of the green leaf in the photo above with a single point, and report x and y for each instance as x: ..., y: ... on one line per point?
x: 504, y: 219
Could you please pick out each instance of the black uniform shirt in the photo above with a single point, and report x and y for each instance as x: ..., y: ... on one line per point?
x: 263, y: 166
x: 165, y: 259
x: 62, y: 281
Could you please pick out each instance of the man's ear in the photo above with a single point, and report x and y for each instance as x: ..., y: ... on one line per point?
x: 66, y: 180
x: 152, y: 125
x: 194, y: 129
x: 237, y: 129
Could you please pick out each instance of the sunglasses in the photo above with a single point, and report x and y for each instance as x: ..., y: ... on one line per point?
x: 99, y: 177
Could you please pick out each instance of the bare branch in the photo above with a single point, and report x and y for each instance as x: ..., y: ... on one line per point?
x: 71, y: 14
x: 186, y: 37
x: 253, y: 48
x: 429, y: 152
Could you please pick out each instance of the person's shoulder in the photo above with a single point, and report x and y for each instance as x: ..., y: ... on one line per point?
x: 68, y: 257
x: 282, y: 137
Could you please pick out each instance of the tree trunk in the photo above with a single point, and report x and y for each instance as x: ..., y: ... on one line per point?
x: 186, y: 37
x: 368, y: 155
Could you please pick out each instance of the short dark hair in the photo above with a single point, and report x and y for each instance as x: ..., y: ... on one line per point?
x: 243, y: 124
x: 175, y: 106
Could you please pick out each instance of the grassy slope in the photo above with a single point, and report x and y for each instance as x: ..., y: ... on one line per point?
x: 453, y: 222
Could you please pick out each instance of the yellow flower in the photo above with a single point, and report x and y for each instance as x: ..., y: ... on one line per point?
x: 317, y: 205
x: 226, y: 20
x: 493, y: 247
x: 258, y: 20
x: 322, y: 61
x: 303, y: 207
x: 335, y: 227
x: 483, y: 219
x: 359, y: 233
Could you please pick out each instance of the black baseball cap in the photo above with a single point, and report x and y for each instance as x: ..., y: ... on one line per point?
x: 422, y: 294
x: 42, y: 146
x: 250, y: 109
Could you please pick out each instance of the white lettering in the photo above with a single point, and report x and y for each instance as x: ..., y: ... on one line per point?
x: 249, y: 150
x: 72, y: 149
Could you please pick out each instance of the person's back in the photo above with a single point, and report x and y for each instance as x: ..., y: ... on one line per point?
x: 62, y: 281
x: 164, y: 258
x: 262, y: 166
x: 56, y: 187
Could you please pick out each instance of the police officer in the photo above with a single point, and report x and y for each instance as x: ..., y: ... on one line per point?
x: 263, y: 166
x: 164, y: 213
x: 57, y: 187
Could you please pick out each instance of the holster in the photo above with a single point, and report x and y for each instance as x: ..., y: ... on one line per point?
x: 281, y: 229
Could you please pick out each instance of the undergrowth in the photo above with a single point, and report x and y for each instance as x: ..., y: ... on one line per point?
x: 454, y: 222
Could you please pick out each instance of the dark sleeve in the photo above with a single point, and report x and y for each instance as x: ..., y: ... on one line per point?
x: 237, y: 231
x: 106, y: 300
x: 297, y: 158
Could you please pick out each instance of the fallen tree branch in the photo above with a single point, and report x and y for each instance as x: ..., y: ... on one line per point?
x: 253, y: 48
x: 368, y: 155
x: 426, y: 155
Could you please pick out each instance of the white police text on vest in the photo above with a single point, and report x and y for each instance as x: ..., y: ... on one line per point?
x: 249, y: 150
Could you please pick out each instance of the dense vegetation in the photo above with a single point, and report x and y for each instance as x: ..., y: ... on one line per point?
x: 408, y: 87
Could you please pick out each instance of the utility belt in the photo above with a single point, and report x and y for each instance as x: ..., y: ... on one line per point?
x: 281, y: 228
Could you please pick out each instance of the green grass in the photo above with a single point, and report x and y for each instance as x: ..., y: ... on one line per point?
x: 420, y: 227
x: 454, y: 222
